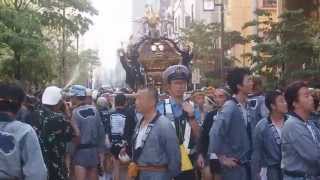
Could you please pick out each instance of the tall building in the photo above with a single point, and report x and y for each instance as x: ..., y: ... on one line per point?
x: 139, y: 8
x: 240, y: 12
x: 182, y: 13
x: 236, y: 14
x: 163, y: 6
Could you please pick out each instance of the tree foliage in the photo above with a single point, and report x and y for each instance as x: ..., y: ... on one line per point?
x: 35, y: 35
x: 285, y: 50
x: 89, y: 59
x: 205, y: 39
x: 20, y: 32
x: 73, y: 15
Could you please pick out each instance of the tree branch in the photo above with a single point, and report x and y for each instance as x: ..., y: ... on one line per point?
x: 6, y: 3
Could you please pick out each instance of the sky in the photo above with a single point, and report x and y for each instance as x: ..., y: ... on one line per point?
x: 111, y: 27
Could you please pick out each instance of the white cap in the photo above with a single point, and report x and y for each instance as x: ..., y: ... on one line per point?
x: 51, y: 95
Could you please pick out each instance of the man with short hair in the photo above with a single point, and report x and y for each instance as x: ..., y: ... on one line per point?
x: 20, y: 152
x: 155, y: 145
x: 198, y: 98
x: 26, y: 111
x: 89, y: 149
x: 181, y: 114
x: 256, y: 101
x: 207, y: 159
x: 267, y: 138
x: 102, y: 106
x: 120, y: 129
x: 300, y: 136
x: 231, y: 133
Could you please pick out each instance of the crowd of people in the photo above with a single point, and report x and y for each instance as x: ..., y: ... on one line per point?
x: 234, y: 132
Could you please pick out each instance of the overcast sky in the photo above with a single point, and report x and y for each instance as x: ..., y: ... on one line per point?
x: 111, y: 27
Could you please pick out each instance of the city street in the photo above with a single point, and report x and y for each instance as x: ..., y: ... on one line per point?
x: 159, y: 90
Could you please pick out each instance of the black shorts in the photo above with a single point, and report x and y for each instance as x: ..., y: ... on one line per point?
x: 186, y: 175
x: 87, y: 158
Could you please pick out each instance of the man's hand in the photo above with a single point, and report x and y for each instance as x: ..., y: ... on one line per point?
x: 67, y: 110
x: 200, y: 161
x: 123, y: 151
x: 195, y: 128
x: 229, y: 162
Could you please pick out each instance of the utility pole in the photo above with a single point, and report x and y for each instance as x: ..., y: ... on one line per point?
x: 222, y: 41
x: 255, y: 28
x: 210, y: 6
x: 221, y: 59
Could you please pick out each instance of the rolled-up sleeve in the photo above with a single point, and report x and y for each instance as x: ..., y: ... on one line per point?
x: 33, y: 167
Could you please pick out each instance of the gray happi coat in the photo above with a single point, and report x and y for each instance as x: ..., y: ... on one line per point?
x: 20, y: 153
x: 161, y: 148
x: 300, y: 151
x: 267, y: 150
x: 92, y: 133
x: 229, y: 137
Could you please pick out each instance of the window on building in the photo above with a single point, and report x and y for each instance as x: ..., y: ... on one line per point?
x: 269, y: 3
x: 208, y: 5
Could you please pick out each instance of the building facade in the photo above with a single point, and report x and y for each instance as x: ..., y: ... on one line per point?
x: 139, y: 8
x: 310, y: 7
x: 182, y: 13
x: 240, y: 12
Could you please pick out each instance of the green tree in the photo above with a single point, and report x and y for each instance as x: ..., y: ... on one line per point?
x: 284, y: 50
x: 20, y: 30
x: 204, y: 38
x: 37, y: 38
x: 89, y: 60
x: 68, y: 18
x: 206, y: 50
